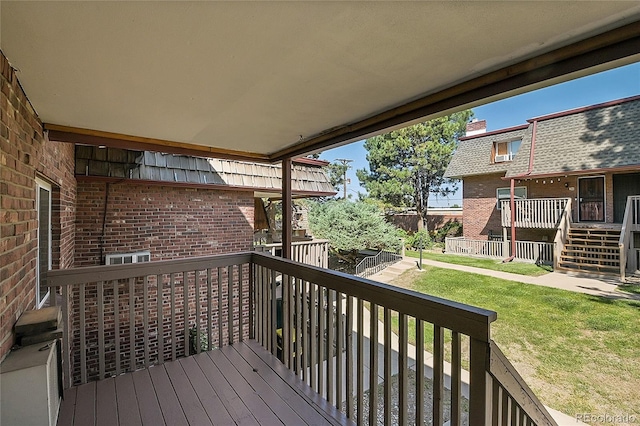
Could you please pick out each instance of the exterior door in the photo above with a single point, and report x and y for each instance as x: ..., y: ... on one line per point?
x: 623, y: 186
x: 591, y: 199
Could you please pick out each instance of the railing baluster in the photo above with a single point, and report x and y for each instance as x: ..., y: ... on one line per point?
x: 403, y: 368
x: 273, y: 314
x: 419, y: 373
x: 220, y: 309
x: 387, y: 367
x: 185, y: 312
x: 209, y: 310
x: 495, y: 402
x: 299, y: 326
x: 306, y: 359
x: 340, y: 333
x: 132, y: 325
x: 83, y: 336
x: 172, y: 300
x: 287, y: 353
x: 360, y: 363
x: 101, y: 367
x: 322, y: 345
x: 230, y: 303
x: 505, y: 408
x: 145, y: 319
x: 241, y: 296
x: 330, y: 346
x: 438, y: 374
x: 196, y: 284
x: 66, y: 350
x: 456, y: 380
x: 116, y: 325
x: 349, y: 357
x: 160, y: 332
x: 373, y: 365
x: 314, y: 336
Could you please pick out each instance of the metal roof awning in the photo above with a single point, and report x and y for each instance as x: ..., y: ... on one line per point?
x: 263, y: 81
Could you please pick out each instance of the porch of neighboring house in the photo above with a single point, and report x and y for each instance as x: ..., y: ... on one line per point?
x: 594, y: 236
x: 205, y: 340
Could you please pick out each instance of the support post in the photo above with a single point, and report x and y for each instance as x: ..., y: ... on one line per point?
x: 287, y: 214
x: 512, y: 202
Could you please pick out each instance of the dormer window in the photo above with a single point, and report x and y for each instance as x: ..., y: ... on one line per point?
x: 506, y: 151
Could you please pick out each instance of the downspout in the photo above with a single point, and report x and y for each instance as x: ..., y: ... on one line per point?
x: 512, y: 201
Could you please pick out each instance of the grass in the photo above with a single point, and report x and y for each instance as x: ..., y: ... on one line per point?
x: 579, y: 353
x: 493, y: 264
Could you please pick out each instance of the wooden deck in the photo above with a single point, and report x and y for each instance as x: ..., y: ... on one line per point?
x: 241, y: 384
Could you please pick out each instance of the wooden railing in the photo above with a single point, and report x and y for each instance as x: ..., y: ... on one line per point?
x: 329, y: 328
x: 534, y: 213
x: 526, y: 251
x: 630, y: 224
x: 313, y: 252
x: 562, y: 234
x: 371, y: 265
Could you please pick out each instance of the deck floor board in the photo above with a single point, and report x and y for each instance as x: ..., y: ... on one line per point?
x: 238, y: 385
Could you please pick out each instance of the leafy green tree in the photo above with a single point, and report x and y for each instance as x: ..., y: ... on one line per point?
x: 351, y: 227
x: 407, y: 165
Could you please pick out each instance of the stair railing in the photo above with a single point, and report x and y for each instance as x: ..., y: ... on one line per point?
x: 562, y: 234
x: 630, y: 223
x: 373, y: 264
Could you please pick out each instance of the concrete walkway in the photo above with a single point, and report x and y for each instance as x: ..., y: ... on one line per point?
x: 604, y: 287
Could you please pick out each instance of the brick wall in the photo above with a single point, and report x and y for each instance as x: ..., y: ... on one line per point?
x: 24, y: 153
x: 170, y: 222
x: 479, y: 206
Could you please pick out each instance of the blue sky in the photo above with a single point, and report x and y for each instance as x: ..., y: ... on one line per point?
x: 602, y: 87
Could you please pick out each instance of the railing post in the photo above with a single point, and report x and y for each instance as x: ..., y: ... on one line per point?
x: 478, y: 393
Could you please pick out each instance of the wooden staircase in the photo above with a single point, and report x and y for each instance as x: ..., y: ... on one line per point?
x: 593, y: 250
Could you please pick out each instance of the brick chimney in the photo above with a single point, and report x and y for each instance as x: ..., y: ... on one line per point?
x: 476, y: 127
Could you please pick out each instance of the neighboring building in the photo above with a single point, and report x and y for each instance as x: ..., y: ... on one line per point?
x: 66, y: 206
x: 587, y: 159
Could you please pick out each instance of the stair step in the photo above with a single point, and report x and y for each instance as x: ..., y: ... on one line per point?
x: 594, y: 242
x: 589, y: 267
x: 591, y: 261
x: 583, y: 248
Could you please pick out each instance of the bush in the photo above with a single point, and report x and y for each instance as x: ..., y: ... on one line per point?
x: 420, y: 239
x: 453, y: 228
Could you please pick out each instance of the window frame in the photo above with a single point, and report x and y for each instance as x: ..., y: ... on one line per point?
x: 510, y: 152
x: 508, y: 189
x: 41, y: 184
x: 134, y: 257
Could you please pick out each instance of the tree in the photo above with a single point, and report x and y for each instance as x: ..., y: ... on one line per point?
x: 350, y: 227
x: 335, y: 172
x: 407, y: 165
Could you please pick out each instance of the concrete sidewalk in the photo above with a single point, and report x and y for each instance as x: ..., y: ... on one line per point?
x: 604, y: 287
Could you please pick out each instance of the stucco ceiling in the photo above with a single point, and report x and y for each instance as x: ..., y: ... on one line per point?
x: 260, y: 76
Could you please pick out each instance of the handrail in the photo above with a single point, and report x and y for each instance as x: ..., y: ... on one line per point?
x: 313, y: 319
x: 562, y: 234
x: 371, y: 265
x: 508, y: 379
x: 629, y: 222
x: 534, y: 212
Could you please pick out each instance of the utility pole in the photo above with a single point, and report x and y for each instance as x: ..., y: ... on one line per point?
x: 345, y: 162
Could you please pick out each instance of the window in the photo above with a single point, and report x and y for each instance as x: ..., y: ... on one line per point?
x: 506, y: 151
x: 124, y: 258
x: 43, y: 205
x: 520, y: 192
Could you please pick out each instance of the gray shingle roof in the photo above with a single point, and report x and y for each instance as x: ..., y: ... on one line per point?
x: 473, y: 156
x: 602, y: 138
x: 598, y: 137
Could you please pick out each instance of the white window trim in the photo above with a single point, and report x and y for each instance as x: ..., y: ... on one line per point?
x: 498, y: 198
x: 134, y: 257
x: 47, y: 186
x: 511, y: 155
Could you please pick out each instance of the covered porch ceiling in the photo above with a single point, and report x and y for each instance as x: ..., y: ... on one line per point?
x: 271, y: 80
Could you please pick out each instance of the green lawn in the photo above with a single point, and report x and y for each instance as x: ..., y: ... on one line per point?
x: 579, y: 353
x: 493, y: 264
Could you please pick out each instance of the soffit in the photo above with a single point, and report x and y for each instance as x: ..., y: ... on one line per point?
x: 258, y: 77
